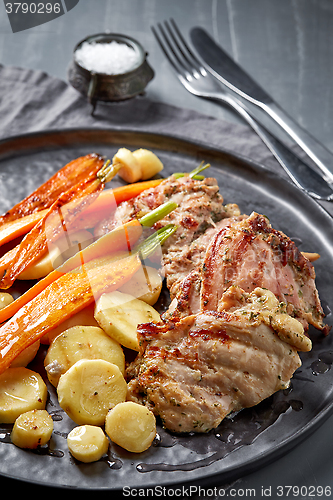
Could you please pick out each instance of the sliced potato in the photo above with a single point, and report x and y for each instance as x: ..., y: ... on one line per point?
x: 21, y: 390
x: 87, y: 443
x: 32, y: 429
x: 82, y: 318
x: 26, y: 356
x: 119, y: 314
x: 150, y: 164
x: 89, y: 389
x: 130, y: 168
x: 81, y: 342
x: 131, y: 425
x: 145, y: 285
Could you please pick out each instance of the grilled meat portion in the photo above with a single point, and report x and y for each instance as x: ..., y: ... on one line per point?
x: 249, y: 253
x: 199, y: 215
x: 180, y: 260
x: 195, y: 371
x: 252, y: 254
x: 242, y: 296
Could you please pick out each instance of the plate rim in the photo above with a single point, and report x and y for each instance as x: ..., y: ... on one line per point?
x: 174, y: 137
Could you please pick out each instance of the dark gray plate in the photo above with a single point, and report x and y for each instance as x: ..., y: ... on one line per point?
x: 242, y: 443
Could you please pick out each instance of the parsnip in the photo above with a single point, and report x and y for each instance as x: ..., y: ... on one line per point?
x: 81, y: 342
x: 32, y: 429
x: 43, y: 266
x: 26, y: 356
x: 71, y: 243
x: 311, y: 256
x: 150, y: 164
x: 146, y: 285
x: 119, y: 314
x: 21, y: 390
x: 132, y: 426
x: 89, y: 389
x: 142, y: 164
x: 130, y: 168
x: 82, y: 318
x: 87, y: 443
x: 58, y: 252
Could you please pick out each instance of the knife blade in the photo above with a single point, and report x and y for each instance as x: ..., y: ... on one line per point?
x: 225, y: 69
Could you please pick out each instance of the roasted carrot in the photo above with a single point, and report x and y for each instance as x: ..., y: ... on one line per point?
x: 35, y: 243
x: 43, y: 197
x: 69, y: 294
x: 13, y: 229
x: 124, y: 193
x: 114, y: 241
x: 121, y: 238
x: 106, y: 202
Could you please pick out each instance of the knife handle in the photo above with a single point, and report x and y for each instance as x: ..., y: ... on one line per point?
x: 321, y: 156
x: 304, y: 176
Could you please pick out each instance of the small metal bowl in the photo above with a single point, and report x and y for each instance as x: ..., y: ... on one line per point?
x: 104, y: 87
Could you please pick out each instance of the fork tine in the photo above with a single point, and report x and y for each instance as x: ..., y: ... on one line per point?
x: 167, y: 52
x: 169, y: 49
x: 185, y: 60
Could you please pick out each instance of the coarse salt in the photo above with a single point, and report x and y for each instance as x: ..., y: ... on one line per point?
x: 111, y: 58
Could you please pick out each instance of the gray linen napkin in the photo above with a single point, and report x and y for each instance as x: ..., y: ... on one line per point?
x: 33, y: 101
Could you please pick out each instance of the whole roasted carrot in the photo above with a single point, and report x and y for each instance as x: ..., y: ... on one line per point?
x: 69, y: 294
x: 45, y: 195
x: 122, y: 238
x: 35, y: 243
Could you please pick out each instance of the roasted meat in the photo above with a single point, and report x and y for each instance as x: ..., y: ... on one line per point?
x: 195, y: 371
x: 252, y: 254
x: 242, y: 297
x: 231, y: 335
x: 199, y: 215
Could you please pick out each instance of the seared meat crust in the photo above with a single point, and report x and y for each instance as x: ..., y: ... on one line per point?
x: 249, y: 253
x: 252, y: 254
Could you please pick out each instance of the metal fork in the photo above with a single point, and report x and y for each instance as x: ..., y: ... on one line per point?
x: 194, y: 77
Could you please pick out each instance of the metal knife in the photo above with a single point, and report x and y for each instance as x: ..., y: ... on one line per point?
x: 225, y: 69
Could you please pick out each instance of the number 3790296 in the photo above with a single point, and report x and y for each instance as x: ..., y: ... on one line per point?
x: 33, y: 8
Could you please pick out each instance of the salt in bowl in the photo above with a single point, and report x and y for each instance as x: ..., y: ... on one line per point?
x: 109, y: 67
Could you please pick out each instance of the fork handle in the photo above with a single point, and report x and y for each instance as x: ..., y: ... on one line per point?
x: 304, y: 176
